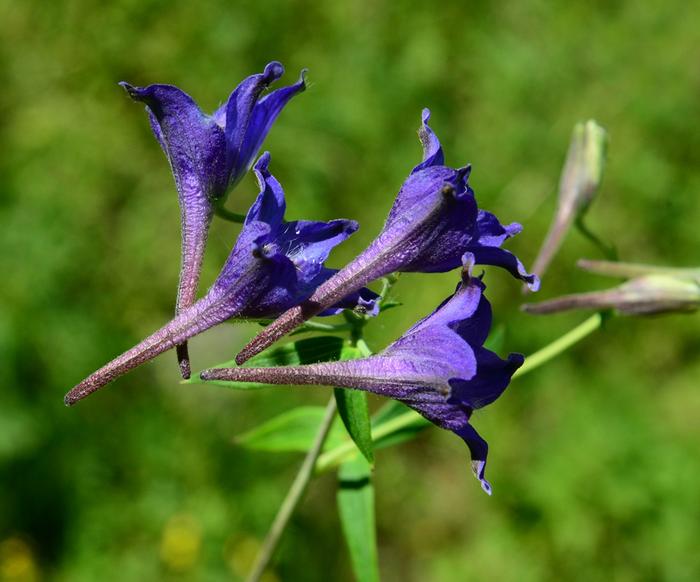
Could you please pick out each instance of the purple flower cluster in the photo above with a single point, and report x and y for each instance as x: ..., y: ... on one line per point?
x: 276, y: 268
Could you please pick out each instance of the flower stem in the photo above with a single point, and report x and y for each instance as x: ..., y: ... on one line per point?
x: 560, y: 345
x: 342, y: 452
x: 321, y: 327
x: 609, y: 251
x: 294, y: 495
x: 222, y: 212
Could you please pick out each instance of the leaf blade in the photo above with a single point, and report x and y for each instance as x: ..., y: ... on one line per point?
x: 291, y: 431
x: 356, y: 509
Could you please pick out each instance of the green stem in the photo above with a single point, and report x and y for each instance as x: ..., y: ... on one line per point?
x: 608, y: 251
x: 322, y: 327
x: 339, y: 454
x: 361, y: 345
x: 222, y: 212
x: 560, y: 345
x: 293, y: 497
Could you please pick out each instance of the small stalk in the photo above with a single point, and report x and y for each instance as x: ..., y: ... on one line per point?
x: 293, y: 497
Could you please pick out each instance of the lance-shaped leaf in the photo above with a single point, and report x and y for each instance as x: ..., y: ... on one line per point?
x: 433, y: 222
x: 356, y: 508
x: 208, y: 155
x: 439, y: 368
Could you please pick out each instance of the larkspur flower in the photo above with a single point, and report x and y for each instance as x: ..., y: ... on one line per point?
x: 208, y: 155
x: 273, y: 266
x: 439, y: 367
x: 433, y: 222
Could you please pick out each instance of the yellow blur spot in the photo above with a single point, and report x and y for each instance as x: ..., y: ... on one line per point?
x: 240, y: 555
x: 17, y: 562
x: 181, y: 542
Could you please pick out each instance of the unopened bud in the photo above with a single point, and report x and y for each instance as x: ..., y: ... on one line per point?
x: 579, y: 182
x: 652, y: 294
x: 583, y: 169
x: 645, y: 295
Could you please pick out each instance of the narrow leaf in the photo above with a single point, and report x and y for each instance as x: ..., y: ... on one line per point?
x: 356, y: 508
x: 354, y: 410
x: 389, y: 411
x: 293, y: 431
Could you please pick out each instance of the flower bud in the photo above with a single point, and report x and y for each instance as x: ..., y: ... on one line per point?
x: 579, y: 182
x: 644, y: 295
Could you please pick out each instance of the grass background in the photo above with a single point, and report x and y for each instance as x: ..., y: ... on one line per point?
x: 594, y: 459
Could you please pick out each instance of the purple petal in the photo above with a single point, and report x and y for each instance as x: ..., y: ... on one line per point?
x: 308, y: 243
x: 249, y: 119
x: 270, y: 204
x: 492, y: 377
x: 479, y: 450
x: 193, y: 142
x: 491, y: 232
x: 501, y: 258
x: 264, y: 115
x: 432, y: 150
x: 242, y: 100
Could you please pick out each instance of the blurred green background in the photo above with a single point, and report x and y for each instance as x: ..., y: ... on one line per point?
x: 595, y: 459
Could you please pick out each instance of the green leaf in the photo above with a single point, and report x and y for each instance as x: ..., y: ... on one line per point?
x: 392, y: 424
x: 293, y: 430
x: 389, y: 411
x: 354, y: 410
x: 356, y: 508
x: 306, y: 351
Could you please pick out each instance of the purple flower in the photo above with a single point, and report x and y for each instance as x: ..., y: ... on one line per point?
x: 433, y: 222
x: 208, y: 155
x: 439, y: 367
x: 273, y: 266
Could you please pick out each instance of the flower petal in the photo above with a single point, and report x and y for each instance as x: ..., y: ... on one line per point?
x: 194, y: 143
x: 432, y: 150
x: 308, y: 243
x: 264, y: 115
x: 249, y: 119
x: 270, y: 205
x: 479, y: 450
x: 492, y: 377
x: 491, y: 232
x: 502, y: 258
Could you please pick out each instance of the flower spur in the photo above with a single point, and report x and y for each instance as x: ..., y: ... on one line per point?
x: 208, y: 155
x: 439, y: 368
x: 273, y: 266
x: 433, y: 222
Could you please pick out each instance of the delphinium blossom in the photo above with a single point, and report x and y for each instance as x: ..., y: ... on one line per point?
x: 433, y: 222
x: 208, y: 155
x: 273, y: 266
x: 439, y: 367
